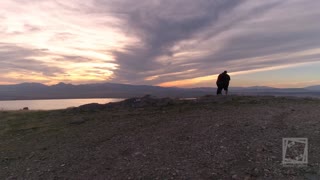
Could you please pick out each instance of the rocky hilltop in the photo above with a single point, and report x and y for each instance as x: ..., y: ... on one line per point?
x: 212, y: 137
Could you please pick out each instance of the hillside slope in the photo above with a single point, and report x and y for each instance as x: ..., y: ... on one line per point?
x: 207, y: 138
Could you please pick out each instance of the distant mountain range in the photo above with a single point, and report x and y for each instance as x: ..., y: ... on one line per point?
x: 26, y: 91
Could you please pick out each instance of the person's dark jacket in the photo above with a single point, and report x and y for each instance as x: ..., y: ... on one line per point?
x: 223, y: 79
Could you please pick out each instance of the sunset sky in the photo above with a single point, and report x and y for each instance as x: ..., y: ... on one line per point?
x: 183, y: 43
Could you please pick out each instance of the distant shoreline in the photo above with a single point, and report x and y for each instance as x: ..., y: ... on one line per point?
x: 36, y: 91
x: 60, y: 104
x: 59, y: 99
x: 51, y: 104
x: 276, y: 94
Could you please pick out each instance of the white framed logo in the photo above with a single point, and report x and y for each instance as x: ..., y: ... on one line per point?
x: 294, y: 151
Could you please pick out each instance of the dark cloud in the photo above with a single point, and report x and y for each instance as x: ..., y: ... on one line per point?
x: 14, y: 58
x: 74, y: 59
x: 161, y: 25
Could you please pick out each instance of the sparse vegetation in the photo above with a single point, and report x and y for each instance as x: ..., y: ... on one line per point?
x: 208, y: 138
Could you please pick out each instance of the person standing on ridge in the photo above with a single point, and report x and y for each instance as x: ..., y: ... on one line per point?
x: 223, y: 82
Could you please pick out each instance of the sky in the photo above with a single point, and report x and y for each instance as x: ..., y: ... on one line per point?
x: 182, y: 43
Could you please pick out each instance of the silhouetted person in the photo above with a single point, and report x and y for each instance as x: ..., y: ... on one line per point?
x: 223, y: 82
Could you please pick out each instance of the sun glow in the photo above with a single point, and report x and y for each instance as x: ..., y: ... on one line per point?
x: 77, y: 43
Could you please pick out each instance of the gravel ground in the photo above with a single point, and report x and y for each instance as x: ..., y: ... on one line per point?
x: 211, y: 137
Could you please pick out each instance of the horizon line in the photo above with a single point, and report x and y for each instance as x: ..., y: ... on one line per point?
x: 76, y: 84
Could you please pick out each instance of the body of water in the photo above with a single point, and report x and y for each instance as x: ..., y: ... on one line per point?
x: 52, y: 104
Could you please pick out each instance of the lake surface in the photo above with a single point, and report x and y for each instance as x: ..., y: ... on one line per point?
x: 52, y: 104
